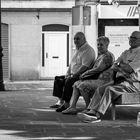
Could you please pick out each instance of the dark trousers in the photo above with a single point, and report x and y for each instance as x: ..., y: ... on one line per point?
x: 58, y: 87
x: 68, y: 89
x: 63, y: 87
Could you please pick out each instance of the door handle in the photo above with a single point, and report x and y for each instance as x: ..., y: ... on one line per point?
x: 55, y: 57
x: 46, y: 55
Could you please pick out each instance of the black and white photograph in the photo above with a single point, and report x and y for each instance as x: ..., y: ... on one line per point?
x: 70, y: 70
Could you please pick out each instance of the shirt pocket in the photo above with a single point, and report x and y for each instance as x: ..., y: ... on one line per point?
x: 78, y: 60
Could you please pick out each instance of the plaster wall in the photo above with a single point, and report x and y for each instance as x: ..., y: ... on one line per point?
x: 25, y: 31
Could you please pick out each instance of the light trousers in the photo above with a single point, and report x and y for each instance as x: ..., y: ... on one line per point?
x: 105, y: 94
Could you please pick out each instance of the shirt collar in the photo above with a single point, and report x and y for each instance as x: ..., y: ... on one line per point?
x: 83, y: 46
x: 135, y: 49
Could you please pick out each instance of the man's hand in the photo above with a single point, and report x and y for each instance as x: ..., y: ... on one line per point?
x: 115, y: 67
x: 126, y: 68
x: 71, y: 76
x: 83, y: 75
x: 67, y: 76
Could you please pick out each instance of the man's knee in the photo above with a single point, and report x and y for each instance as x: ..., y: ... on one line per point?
x: 59, y: 81
x: 109, y: 90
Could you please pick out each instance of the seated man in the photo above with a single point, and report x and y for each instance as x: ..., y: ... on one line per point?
x: 82, y: 60
x: 127, y: 80
x: 86, y: 88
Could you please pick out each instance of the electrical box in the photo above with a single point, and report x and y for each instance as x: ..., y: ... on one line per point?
x: 81, y: 15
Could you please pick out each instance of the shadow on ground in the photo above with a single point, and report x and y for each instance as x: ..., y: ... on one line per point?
x: 25, y: 114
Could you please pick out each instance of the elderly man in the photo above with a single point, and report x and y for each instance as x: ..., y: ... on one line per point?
x: 82, y: 60
x: 127, y: 68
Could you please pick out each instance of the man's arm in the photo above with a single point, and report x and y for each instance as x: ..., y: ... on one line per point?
x: 68, y: 73
x: 120, y: 66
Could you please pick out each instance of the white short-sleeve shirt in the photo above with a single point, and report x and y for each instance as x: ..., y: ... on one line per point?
x: 85, y: 55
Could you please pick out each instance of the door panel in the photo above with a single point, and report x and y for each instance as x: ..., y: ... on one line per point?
x: 55, y: 54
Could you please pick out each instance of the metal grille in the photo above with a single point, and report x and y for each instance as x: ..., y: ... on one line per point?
x: 4, y: 42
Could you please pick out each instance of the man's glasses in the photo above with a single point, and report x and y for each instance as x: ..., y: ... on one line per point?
x: 100, y: 44
x: 133, y: 37
x: 76, y: 38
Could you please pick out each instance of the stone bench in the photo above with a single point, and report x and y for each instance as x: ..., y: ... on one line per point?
x: 125, y: 99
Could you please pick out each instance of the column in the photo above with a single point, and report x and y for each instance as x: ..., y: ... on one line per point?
x: 91, y: 31
x: 79, y: 27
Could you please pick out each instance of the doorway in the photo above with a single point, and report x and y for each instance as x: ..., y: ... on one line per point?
x: 55, y: 52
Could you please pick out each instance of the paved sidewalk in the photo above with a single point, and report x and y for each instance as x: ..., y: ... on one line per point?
x: 25, y: 115
x: 29, y: 85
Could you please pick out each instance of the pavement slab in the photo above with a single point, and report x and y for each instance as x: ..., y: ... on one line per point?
x: 25, y: 115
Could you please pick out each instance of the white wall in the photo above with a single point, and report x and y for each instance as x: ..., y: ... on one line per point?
x: 25, y: 52
x: 25, y: 40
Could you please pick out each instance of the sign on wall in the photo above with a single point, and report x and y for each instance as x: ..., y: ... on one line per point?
x: 122, y: 11
x: 118, y: 36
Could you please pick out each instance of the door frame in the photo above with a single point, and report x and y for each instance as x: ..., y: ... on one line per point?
x: 68, y: 49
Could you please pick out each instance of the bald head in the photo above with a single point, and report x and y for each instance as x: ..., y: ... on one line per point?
x: 134, y: 40
x: 80, y: 34
x: 136, y: 34
x: 79, y: 39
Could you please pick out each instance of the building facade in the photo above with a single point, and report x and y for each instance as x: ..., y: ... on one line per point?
x: 37, y: 35
x: 37, y: 38
x: 118, y: 22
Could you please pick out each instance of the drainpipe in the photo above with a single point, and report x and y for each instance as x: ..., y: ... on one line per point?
x: 91, y: 31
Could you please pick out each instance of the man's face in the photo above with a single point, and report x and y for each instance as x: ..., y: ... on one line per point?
x: 102, y: 47
x: 134, y: 40
x: 79, y: 41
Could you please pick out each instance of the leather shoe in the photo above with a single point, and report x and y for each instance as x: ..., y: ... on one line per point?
x: 55, y: 106
x: 61, y: 108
